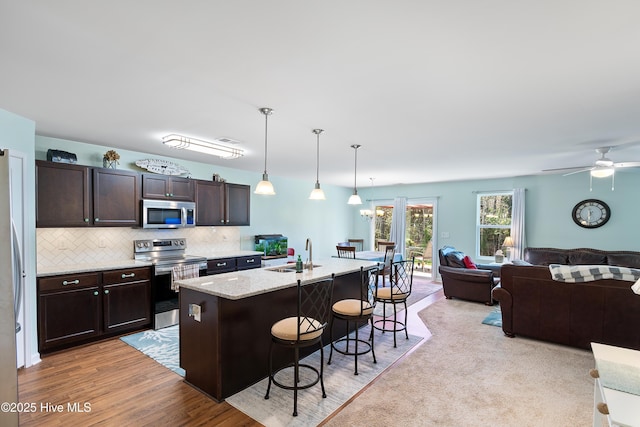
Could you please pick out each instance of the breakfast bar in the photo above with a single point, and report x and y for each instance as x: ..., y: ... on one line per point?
x: 225, y: 320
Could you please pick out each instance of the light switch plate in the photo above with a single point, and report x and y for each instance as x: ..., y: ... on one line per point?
x: 195, y: 311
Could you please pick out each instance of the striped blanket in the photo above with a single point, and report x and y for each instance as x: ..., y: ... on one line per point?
x: 588, y: 273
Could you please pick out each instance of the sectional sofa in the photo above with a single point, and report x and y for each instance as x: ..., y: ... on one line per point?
x: 574, y: 314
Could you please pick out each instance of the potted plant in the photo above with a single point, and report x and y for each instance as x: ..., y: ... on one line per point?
x: 110, y: 159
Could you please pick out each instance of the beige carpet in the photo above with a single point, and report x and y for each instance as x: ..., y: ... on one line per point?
x: 470, y: 374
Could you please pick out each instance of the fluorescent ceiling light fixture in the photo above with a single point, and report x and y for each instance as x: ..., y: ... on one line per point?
x: 602, y: 172
x: 317, y: 193
x: 183, y: 142
x: 265, y: 187
x: 354, y: 199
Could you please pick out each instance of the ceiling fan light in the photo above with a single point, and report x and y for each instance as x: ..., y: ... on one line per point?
x: 602, y: 172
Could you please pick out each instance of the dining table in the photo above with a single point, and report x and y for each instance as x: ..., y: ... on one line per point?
x: 377, y: 256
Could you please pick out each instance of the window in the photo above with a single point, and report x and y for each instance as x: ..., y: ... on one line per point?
x: 494, y: 222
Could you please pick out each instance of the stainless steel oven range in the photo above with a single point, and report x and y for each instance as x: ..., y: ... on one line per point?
x: 164, y: 254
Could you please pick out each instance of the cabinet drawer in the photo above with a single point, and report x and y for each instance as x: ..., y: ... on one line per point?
x: 72, y: 281
x: 127, y: 275
x: 221, y: 265
x: 247, y: 262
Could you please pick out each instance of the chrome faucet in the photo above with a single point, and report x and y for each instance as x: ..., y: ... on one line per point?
x: 309, y: 247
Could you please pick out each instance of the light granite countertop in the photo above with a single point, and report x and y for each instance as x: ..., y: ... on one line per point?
x: 246, y: 283
x: 129, y: 263
x: 90, y: 267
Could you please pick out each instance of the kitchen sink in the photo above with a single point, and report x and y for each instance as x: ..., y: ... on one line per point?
x: 288, y: 269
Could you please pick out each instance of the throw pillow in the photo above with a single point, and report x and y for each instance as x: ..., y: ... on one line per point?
x: 468, y: 263
x: 520, y: 262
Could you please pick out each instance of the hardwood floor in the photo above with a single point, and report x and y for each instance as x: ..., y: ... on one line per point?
x: 121, y: 386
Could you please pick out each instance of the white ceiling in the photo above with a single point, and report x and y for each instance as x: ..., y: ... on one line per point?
x: 432, y: 90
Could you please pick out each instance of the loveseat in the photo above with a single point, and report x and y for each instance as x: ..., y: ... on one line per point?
x: 460, y: 281
x: 575, y: 314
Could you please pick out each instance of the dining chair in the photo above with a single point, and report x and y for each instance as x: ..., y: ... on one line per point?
x: 382, y: 245
x: 359, y: 312
x: 389, y: 254
x: 358, y: 243
x: 399, y: 290
x: 346, y: 252
x: 301, y: 331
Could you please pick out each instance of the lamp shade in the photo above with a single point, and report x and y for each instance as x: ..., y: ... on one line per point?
x: 265, y: 187
x: 508, y: 242
x: 354, y: 199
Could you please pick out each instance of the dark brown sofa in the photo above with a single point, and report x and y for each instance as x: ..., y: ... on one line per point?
x: 465, y: 283
x: 574, y: 314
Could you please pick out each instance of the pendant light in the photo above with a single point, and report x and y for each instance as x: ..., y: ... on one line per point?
x: 355, y: 199
x: 265, y: 187
x: 317, y: 193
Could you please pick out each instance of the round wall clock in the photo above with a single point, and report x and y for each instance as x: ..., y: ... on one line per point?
x: 591, y: 213
x: 163, y: 167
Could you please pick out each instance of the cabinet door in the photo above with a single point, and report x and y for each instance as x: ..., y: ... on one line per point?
x: 182, y: 189
x: 69, y: 316
x: 209, y: 203
x: 238, y: 204
x: 167, y: 187
x: 63, y: 195
x: 126, y: 297
x: 116, y: 197
x: 155, y: 186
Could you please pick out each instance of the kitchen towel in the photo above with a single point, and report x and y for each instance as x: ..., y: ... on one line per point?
x: 184, y: 271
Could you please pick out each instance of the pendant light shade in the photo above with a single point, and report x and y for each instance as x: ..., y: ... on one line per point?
x: 354, y: 199
x: 265, y: 187
x: 317, y: 193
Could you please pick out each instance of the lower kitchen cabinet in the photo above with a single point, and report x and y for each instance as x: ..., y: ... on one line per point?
x: 79, y: 308
x: 126, y: 299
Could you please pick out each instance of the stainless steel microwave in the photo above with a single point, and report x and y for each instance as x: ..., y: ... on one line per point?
x: 168, y: 214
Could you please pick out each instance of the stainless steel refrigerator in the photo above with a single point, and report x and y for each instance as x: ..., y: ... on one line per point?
x: 11, y: 286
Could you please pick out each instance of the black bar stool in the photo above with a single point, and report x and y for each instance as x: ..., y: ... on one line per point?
x: 303, y: 330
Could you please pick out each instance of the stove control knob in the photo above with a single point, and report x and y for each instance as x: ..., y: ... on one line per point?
x: 182, y: 242
x: 146, y: 244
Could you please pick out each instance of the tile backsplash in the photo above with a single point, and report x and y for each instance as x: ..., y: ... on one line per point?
x: 68, y: 246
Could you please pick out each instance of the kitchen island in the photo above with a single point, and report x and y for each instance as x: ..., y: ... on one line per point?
x: 224, y: 348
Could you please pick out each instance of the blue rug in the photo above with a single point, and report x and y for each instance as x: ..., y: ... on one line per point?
x: 162, y: 345
x: 494, y: 318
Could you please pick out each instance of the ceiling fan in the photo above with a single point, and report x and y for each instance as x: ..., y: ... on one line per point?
x: 601, y: 168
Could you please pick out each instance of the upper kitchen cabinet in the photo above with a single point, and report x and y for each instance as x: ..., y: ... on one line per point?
x: 116, y: 196
x: 221, y: 203
x: 81, y: 196
x: 63, y: 195
x: 167, y: 187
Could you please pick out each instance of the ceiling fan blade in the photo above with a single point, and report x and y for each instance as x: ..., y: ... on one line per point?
x: 573, y: 169
x: 627, y: 165
x: 578, y: 171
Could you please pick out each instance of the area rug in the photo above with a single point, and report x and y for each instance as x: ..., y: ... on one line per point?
x: 340, y: 385
x: 494, y: 318
x: 162, y: 345
x: 469, y: 375
x: 421, y: 288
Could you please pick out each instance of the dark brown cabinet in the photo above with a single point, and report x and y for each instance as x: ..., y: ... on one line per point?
x: 69, y: 310
x: 126, y: 299
x: 247, y: 262
x: 79, y: 308
x: 63, y: 195
x: 81, y: 196
x: 221, y: 203
x: 167, y: 187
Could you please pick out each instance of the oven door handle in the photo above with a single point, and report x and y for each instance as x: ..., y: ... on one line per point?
x: 160, y: 271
